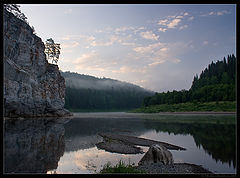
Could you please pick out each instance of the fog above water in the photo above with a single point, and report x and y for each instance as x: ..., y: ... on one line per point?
x: 80, y: 81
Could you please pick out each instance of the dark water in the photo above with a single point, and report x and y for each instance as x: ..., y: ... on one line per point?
x: 50, y: 146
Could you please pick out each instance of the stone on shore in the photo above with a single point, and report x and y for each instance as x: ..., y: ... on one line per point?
x: 156, y: 154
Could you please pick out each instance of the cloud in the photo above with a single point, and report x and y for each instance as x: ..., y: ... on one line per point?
x: 88, y: 41
x: 138, y: 29
x: 183, y: 27
x: 149, y: 35
x: 65, y: 38
x: 171, y: 22
x: 216, y: 13
x: 163, y: 49
x: 130, y: 69
x: 140, y: 83
x: 148, y: 49
x: 110, y: 41
x: 176, y: 60
x: 68, y: 11
x: 205, y: 42
x: 70, y: 45
x: 156, y: 63
x: 179, y: 17
x: 128, y: 44
x: 163, y: 22
x: 222, y: 12
x: 162, y: 29
x: 66, y: 51
x: 123, y: 29
x: 122, y: 35
x: 174, y: 23
x: 84, y: 58
x: 191, y: 18
x: 91, y: 38
x: 157, y: 53
x: 123, y: 69
x: 73, y: 37
x: 211, y: 13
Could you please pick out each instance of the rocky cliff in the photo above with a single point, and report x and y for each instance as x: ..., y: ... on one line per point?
x: 32, y: 86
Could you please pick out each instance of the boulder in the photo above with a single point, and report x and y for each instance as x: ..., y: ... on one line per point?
x: 157, y: 154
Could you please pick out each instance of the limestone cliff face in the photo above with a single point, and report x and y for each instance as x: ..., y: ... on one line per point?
x: 32, y: 86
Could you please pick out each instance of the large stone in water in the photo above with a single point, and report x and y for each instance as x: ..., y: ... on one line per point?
x: 156, y: 154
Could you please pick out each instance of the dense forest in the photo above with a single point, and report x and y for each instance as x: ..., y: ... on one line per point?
x: 85, y: 93
x: 215, y: 83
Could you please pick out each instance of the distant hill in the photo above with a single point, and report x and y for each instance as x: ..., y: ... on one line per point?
x: 217, y: 82
x: 85, y: 92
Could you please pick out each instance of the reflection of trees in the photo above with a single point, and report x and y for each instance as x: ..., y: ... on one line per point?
x: 217, y: 139
x: 82, y: 133
x: 92, y: 126
x: 32, y: 145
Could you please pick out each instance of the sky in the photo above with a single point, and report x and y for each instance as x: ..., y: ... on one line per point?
x: 156, y: 46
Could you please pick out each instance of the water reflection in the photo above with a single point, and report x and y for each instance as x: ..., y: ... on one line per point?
x: 33, y: 145
x: 82, y: 133
x: 40, y: 145
x: 214, y: 140
x: 217, y: 140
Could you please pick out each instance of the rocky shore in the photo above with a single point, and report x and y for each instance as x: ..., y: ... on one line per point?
x: 151, y: 162
x: 175, y: 168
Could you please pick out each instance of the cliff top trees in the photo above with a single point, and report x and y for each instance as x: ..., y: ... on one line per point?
x: 14, y: 9
x: 52, y: 50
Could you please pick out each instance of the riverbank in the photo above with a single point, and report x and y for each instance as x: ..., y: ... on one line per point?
x: 140, y: 115
x: 155, y: 168
x: 166, y: 117
x: 176, y: 168
x: 221, y: 106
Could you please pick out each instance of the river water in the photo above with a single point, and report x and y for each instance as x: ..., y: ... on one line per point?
x: 63, y: 146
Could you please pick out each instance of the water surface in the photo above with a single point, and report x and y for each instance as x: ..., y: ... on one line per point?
x: 69, y: 147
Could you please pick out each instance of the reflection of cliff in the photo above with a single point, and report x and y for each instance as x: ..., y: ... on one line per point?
x: 33, y: 145
x: 82, y: 133
x: 217, y: 139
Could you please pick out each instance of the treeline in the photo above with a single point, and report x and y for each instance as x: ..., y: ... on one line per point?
x: 215, y: 83
x: 90, y: 99
x: 88, y: 93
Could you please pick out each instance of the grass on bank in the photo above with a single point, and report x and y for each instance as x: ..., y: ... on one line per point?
x: 98, y: 110
x: 121, y: 167
x: 221, y: 106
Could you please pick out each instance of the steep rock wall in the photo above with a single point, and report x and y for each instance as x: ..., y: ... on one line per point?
x: 32, y: 86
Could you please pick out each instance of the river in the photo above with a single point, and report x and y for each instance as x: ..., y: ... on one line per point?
x: 64, y: 146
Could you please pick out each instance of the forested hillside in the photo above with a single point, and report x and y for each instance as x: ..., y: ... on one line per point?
x: 84, y: 92
x: 216, y: 83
